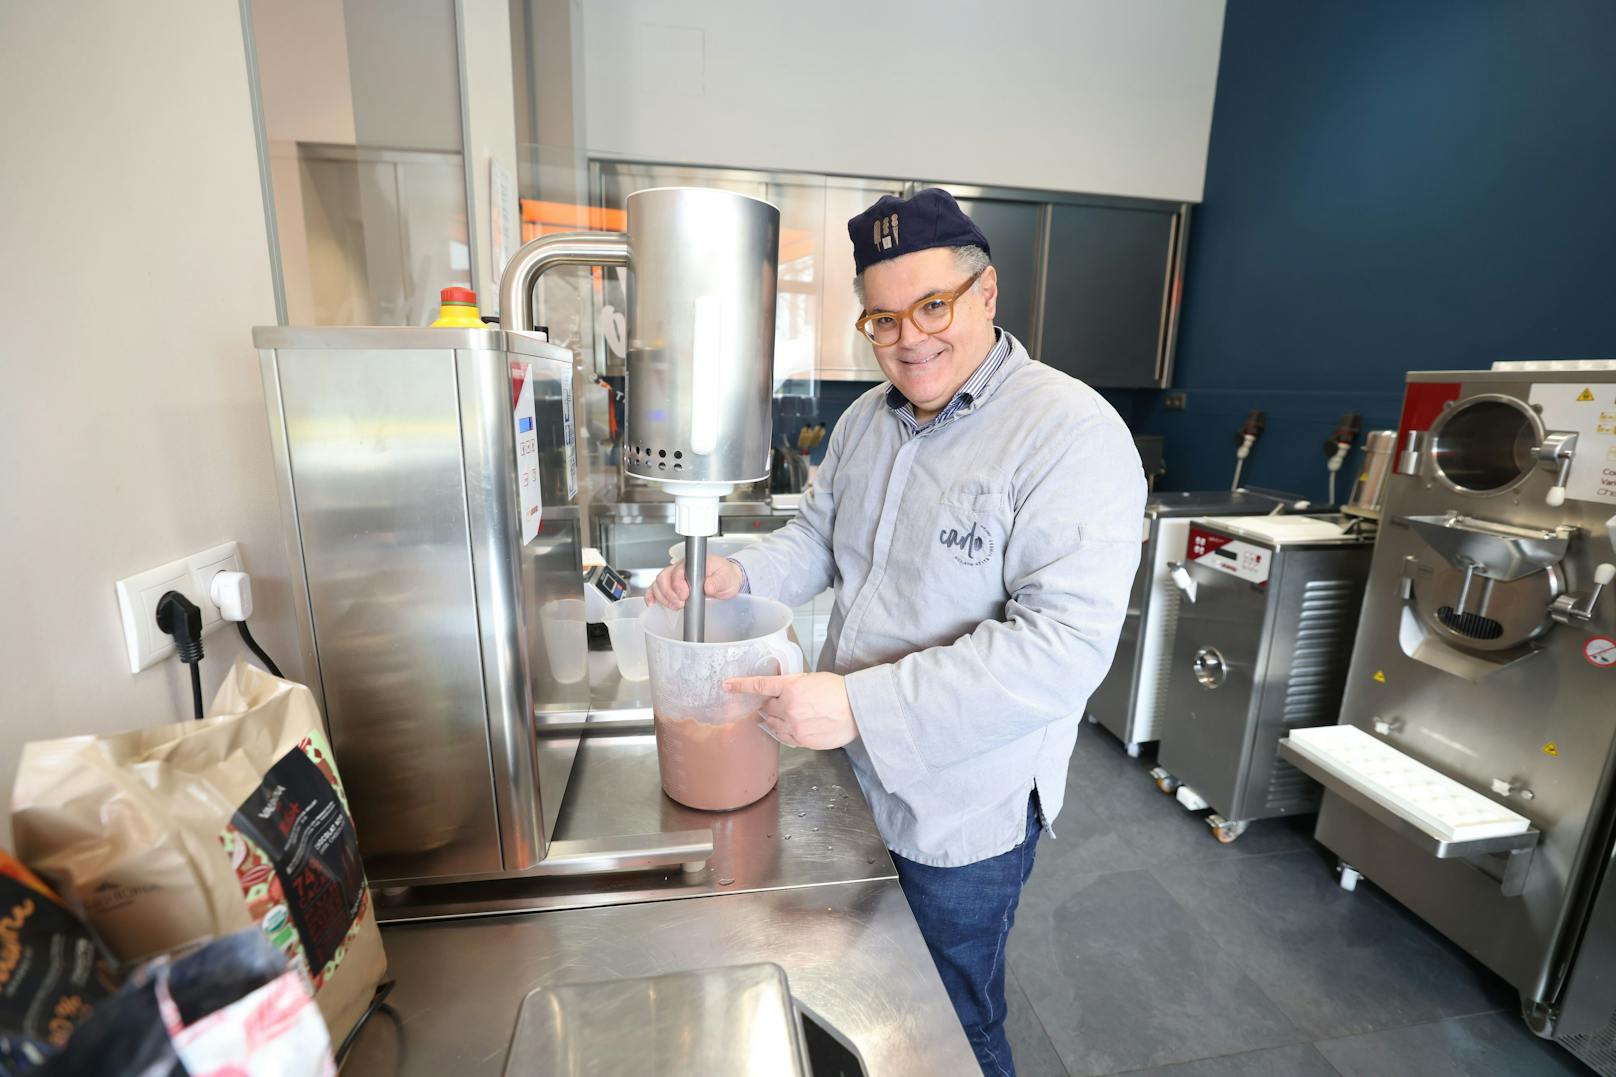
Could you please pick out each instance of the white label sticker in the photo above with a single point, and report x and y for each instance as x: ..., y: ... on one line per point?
x: 1590, y: 410
x: 527, y: 451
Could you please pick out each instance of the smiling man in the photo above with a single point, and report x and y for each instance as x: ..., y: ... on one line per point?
x: 978, y: 516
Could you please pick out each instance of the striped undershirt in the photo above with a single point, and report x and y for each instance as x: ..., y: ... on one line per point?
x: 905, y: 411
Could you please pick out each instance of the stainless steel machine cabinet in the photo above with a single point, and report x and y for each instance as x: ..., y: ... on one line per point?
x: 1130, y: 701
x: 1264, y: 637
x: 428, y: 495
x: 1484, y: 658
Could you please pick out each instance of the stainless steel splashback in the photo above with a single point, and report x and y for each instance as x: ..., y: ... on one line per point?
x: 431, y: 631
x: 701, y: 349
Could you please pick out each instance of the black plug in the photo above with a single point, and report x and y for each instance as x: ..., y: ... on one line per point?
x: 181, y: 618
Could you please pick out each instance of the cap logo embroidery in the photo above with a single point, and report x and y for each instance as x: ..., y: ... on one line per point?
x: 886, y: 232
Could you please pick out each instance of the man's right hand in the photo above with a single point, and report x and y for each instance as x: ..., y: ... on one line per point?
x: 671, y: 589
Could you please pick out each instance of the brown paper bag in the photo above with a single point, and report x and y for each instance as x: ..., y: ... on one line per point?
x: 173, y: 834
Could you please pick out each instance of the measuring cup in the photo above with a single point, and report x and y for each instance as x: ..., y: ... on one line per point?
x: 711, y: 747
x: 566, y: 639
x: 628, y: 637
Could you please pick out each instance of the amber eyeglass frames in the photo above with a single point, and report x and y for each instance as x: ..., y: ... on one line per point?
x: 933, y: 314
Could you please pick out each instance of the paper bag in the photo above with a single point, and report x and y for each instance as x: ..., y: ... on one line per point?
x: 170, y: 835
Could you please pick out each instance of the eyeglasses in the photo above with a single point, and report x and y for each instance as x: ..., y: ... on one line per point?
x: 931, y: 315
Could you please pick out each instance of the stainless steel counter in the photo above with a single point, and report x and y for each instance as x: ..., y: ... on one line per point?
x: 851, y: 951
x: 801, y: 878
x: 813, y: 827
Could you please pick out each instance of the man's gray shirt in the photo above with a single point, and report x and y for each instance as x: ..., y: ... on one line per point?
x: 981, y: 569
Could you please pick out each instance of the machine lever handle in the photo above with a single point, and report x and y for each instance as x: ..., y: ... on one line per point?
x: 1568, y: 608
x: 1557, y: 451
x: 1182, y: 578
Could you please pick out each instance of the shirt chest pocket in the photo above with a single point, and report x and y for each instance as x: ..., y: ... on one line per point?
x: 970, y: 526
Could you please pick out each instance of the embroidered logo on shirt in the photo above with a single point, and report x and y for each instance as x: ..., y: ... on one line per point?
x: 973, y: 547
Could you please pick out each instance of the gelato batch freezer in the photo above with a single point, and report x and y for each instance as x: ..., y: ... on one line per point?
x: 1131, y: 702
x: 1262, y: 644
x: 1473, y: 775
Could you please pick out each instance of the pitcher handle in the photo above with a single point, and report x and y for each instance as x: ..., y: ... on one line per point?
x: 788, y: 654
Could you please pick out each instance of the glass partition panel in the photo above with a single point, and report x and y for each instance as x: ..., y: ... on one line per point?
x: 366, y: 170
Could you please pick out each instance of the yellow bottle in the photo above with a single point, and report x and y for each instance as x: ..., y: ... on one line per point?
x: 458, y: 310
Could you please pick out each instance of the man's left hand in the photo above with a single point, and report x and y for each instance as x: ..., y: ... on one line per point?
x: 803, y: 710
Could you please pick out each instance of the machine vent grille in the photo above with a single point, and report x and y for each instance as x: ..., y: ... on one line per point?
x: 1596, y: 1048
x: 1319, y: 652
x: 1169, y: 601
x: 1289, y: 787
x: 645, y: 458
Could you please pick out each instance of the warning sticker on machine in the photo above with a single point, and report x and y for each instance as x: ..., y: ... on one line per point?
x: 1600, y: 651
x: 1590, y: 411
x: 1243, y: 559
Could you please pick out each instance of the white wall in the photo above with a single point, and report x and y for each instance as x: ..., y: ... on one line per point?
x: 1102, y: 96
x: 132, y: 427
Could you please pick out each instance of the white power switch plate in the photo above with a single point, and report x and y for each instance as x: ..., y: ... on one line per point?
x: 138, y: 594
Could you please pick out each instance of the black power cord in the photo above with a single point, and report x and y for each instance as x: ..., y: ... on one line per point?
x: 252, y: 645
x: 182, y: 619
x: 378, y: 1003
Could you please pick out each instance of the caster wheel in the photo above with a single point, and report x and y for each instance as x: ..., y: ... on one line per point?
x: 1347, y: 876
x: 1226, y: 830
x: 1165, y: 781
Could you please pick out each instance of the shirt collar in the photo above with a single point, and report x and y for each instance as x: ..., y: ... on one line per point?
x: 905, y: 411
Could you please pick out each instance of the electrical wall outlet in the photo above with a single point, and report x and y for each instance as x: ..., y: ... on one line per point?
x: 138, y: 594
x: 1175, y: 401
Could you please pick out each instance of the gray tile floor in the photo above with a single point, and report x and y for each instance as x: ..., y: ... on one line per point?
x: 1144, y: 946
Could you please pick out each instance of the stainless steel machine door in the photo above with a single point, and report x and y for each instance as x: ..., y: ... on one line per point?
x: 374, y: 445
x: 437, y: 632
x: 1222, y: 636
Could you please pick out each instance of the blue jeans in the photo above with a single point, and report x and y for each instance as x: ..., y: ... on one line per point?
x: 965, y: 915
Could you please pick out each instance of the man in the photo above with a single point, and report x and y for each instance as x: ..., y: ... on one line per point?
x: 979, y: 518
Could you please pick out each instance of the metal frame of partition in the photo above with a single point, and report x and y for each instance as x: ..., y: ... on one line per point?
x: 1172, y: 290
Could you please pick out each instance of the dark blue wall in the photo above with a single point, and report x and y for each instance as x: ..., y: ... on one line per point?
x: 1392, y: 185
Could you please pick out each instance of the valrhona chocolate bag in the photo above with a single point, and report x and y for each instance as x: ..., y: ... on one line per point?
x: 178, y: 833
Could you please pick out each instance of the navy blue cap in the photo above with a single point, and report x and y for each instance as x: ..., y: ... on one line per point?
x: 897, y: 226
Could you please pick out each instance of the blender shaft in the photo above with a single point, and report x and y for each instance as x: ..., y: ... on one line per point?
x: 696, y: 577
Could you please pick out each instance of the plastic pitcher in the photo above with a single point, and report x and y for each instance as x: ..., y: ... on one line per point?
x: 628, y: 637
x: 566, y: 639
x: 712, y: 750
